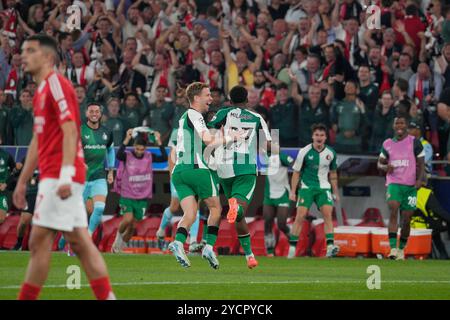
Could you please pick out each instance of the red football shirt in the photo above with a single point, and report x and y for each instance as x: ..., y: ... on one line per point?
x: 55, y: 103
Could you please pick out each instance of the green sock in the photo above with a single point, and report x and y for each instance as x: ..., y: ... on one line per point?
x: 293, y: 240
x: 402, y: 244
x: 270, y: 250
x: 393, y: 240
x: 205, y: 231
x: 246, y: 245
x: 240, y: 213
x: 181, y: 235
x: 330, y: 238
x: 211, y: 237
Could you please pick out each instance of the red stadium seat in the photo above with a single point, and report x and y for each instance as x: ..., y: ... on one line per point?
x: 155, y: 209
x: 148, y: 227
x: 256, y: 229
x: 109, y: 230
x: 303, y: 245
x: 372, y: 218
x: 227, y: 240
x: 8, y: 231
x: 319, y: 247
x: 344, y: 217
x: 56, y: 241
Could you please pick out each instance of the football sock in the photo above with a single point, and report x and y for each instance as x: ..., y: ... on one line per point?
x: 205, y: 231
x: 240, y: 213
x: 102, y: 289
x: 96, y: 216
x: 246, y: 244
x: 181, y: 235
x: 211, y: 236
x: 61, y: 243
x: 293, y: 240
x: 393, y: 240
x: 29, y: 292
x: 402, y: 244
x: 19, y: 242
x: 330, y: 238
x: 166, y: 217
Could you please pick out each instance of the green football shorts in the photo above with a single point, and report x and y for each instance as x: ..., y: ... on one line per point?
x: 308, y: 196
x: 239, y: 187
x: 405, y: 195
x: 195, y: 182
x: 134, y: 206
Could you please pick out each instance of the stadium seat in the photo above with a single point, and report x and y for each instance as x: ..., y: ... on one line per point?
x: 56, y: 241
x: 155, y: 209
x: 303, y: 245
x: 8, y: 232
x: 109, y: 230
x: 372, y: 218
x: 319, y: 246
x: 227, y: 239
x: 256, y: 229
x: 344, y: 217
x: 148, y: 227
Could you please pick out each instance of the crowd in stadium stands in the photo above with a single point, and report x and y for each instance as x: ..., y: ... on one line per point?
x: 303, y: 62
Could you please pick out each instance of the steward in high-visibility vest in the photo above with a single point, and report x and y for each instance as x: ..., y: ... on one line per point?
x: 430, y: 214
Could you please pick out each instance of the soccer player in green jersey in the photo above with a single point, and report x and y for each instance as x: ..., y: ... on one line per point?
x: 98, y: 145
x: 316, y: 167
x: 191, y: 175
x: 236, y: 163
x: 276, y: 198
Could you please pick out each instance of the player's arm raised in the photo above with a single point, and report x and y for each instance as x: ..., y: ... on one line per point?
x: 31, y: 163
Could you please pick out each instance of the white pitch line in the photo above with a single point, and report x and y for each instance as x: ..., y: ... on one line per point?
x: 149, y: 283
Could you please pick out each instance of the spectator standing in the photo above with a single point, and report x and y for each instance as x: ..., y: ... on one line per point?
x: 22, y: 119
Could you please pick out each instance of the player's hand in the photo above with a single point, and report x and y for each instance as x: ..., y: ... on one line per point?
x: 336, y: 197
x: 292, y: 196
x: 158, y: 138
x: 110, y: 177
x: 19, y: 196
x: 390, y: 169
x: 64, y: 191
x: 2, y: 186
x: 19, y: 166
x: 419, y: 184
x: 128, y: 136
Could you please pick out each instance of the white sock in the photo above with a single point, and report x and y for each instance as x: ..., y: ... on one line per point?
x: 250, y: 256
x: 209, y: 247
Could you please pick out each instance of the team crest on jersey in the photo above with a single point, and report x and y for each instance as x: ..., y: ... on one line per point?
x: 328, y: 157
x: 105, y: 137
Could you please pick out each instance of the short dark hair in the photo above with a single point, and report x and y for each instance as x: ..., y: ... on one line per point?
x: 140, y: 141
x: 90, y: 104
x: 319, y: 127
x: 402, y: 84
x: 411, y: 10
x: 238, y: 94
x: 44, y: 41
x: 404, y: 117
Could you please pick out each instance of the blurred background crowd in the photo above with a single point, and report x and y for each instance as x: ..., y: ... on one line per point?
x: 303, y: 62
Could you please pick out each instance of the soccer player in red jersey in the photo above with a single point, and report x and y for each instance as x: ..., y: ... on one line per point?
x: 57, y: 152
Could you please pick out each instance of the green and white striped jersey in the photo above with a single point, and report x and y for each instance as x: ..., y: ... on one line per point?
x: 238, y: 158
x: 189, y: 145
x: 277, y: 180
x: 314, y: 166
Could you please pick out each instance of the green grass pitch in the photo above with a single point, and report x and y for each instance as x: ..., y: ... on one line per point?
x: 160, y: 277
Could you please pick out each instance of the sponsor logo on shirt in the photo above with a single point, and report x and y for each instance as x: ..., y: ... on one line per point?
x: 400, y: 163
x: 94, y: 147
